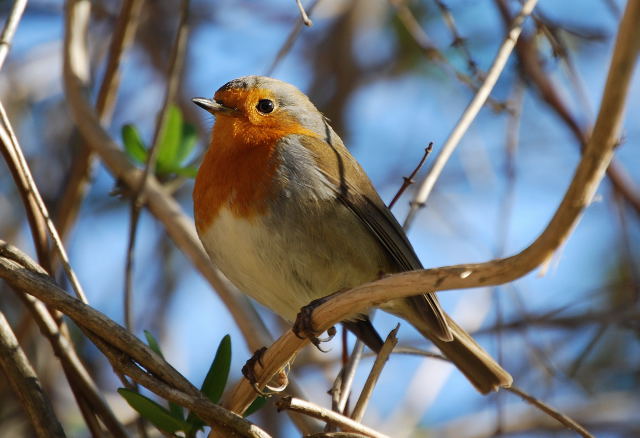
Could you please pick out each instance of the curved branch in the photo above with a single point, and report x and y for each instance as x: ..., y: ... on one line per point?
x: 594, y: 162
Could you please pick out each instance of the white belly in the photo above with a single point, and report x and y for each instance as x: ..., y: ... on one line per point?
x: 286, y: 265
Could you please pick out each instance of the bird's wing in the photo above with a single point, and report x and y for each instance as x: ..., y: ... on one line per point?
x: 354, y: 189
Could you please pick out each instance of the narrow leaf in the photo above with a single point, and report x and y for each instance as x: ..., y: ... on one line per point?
x: 153, y: 412
x: 175, y: 409
x: 153, y: 343
x: 257, y: 404
x: 216, y: 378
x: 188, y: 172
x: 188, y: 141
x: 133, y: 145
x: 169, y: 140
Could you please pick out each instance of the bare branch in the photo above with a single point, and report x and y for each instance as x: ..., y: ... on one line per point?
x: 303, y: 14
x: 10, y: 27
x: 10, y: 143
x: 125, y: 351
x: 408, y: 180
x: 81, y: 166
x: 174, y: 75
x: 315, y: 411
x: 470, y: 113
x: 26, y: 385
x: 288, y: 43
x: 374, y: 375
x: 568, y: 422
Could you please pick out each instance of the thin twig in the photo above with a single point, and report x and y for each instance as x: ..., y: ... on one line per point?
x: 173, y: 81
x: 562, y: 418
x: 418, y: 352
x: 36, y: 221
x: 431, y: 51
x: 303, y: 14
x: 469, y: 114
x: 458, y: 40
x: 10, y: 27
x: 25, y: 383
x: 536, y: 74
x: 408, y: 180
x: 288, y: 42
x: 505, y: 215
x: 345, y: 378
x: 10, y: 141
x: 81, y: 167
x: 374, y: 375
x: 315, y: 411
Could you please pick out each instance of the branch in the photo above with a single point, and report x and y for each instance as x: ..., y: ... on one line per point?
x: 26, y: 385
x: 578, y: 196
x: 374, y: 375
x: 288, y: 43
x: 470, y: 113
x: 303, y: 14
x: 174, y: 74
x: 563, y: 419
x: 10, y: 27
x: 408, y: 180
x: 125, y: 351
x: 533, y: 70
x: 80, y: 171
x: 315, y: 411
x: 26, y: 183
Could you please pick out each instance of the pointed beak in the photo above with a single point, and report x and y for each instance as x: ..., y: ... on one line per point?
x: 212, y: 106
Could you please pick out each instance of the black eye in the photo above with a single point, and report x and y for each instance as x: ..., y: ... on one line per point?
x: 265, y: 106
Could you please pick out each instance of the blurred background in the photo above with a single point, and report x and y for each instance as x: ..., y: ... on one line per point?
x: 392, y: 76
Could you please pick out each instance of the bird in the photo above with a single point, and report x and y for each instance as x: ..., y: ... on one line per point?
x: 289, y: 216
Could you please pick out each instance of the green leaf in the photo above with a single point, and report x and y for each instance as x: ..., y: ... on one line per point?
x: 175, y: 409
x: 188, y: 141
x: 188, y: 172
x: 257, y: 404
x: 153, y: 412
x: 216, y: 378
x: 153, y: 343
x: 169, y: 141
x: 133, y: 145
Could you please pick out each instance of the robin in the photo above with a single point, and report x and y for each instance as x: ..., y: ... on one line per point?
x: 289, y: 216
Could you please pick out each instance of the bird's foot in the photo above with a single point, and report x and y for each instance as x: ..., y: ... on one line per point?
x: 303, y: 326
x: 276, y: 385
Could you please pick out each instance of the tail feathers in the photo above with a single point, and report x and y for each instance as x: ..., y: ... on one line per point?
x: 465, y: 353
x: 475, y: 363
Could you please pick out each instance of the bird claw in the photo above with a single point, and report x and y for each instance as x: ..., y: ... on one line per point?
x: 249, y: 373
x: 303, y: 326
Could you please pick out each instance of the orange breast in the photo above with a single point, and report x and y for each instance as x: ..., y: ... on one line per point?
x: 238, y: 169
